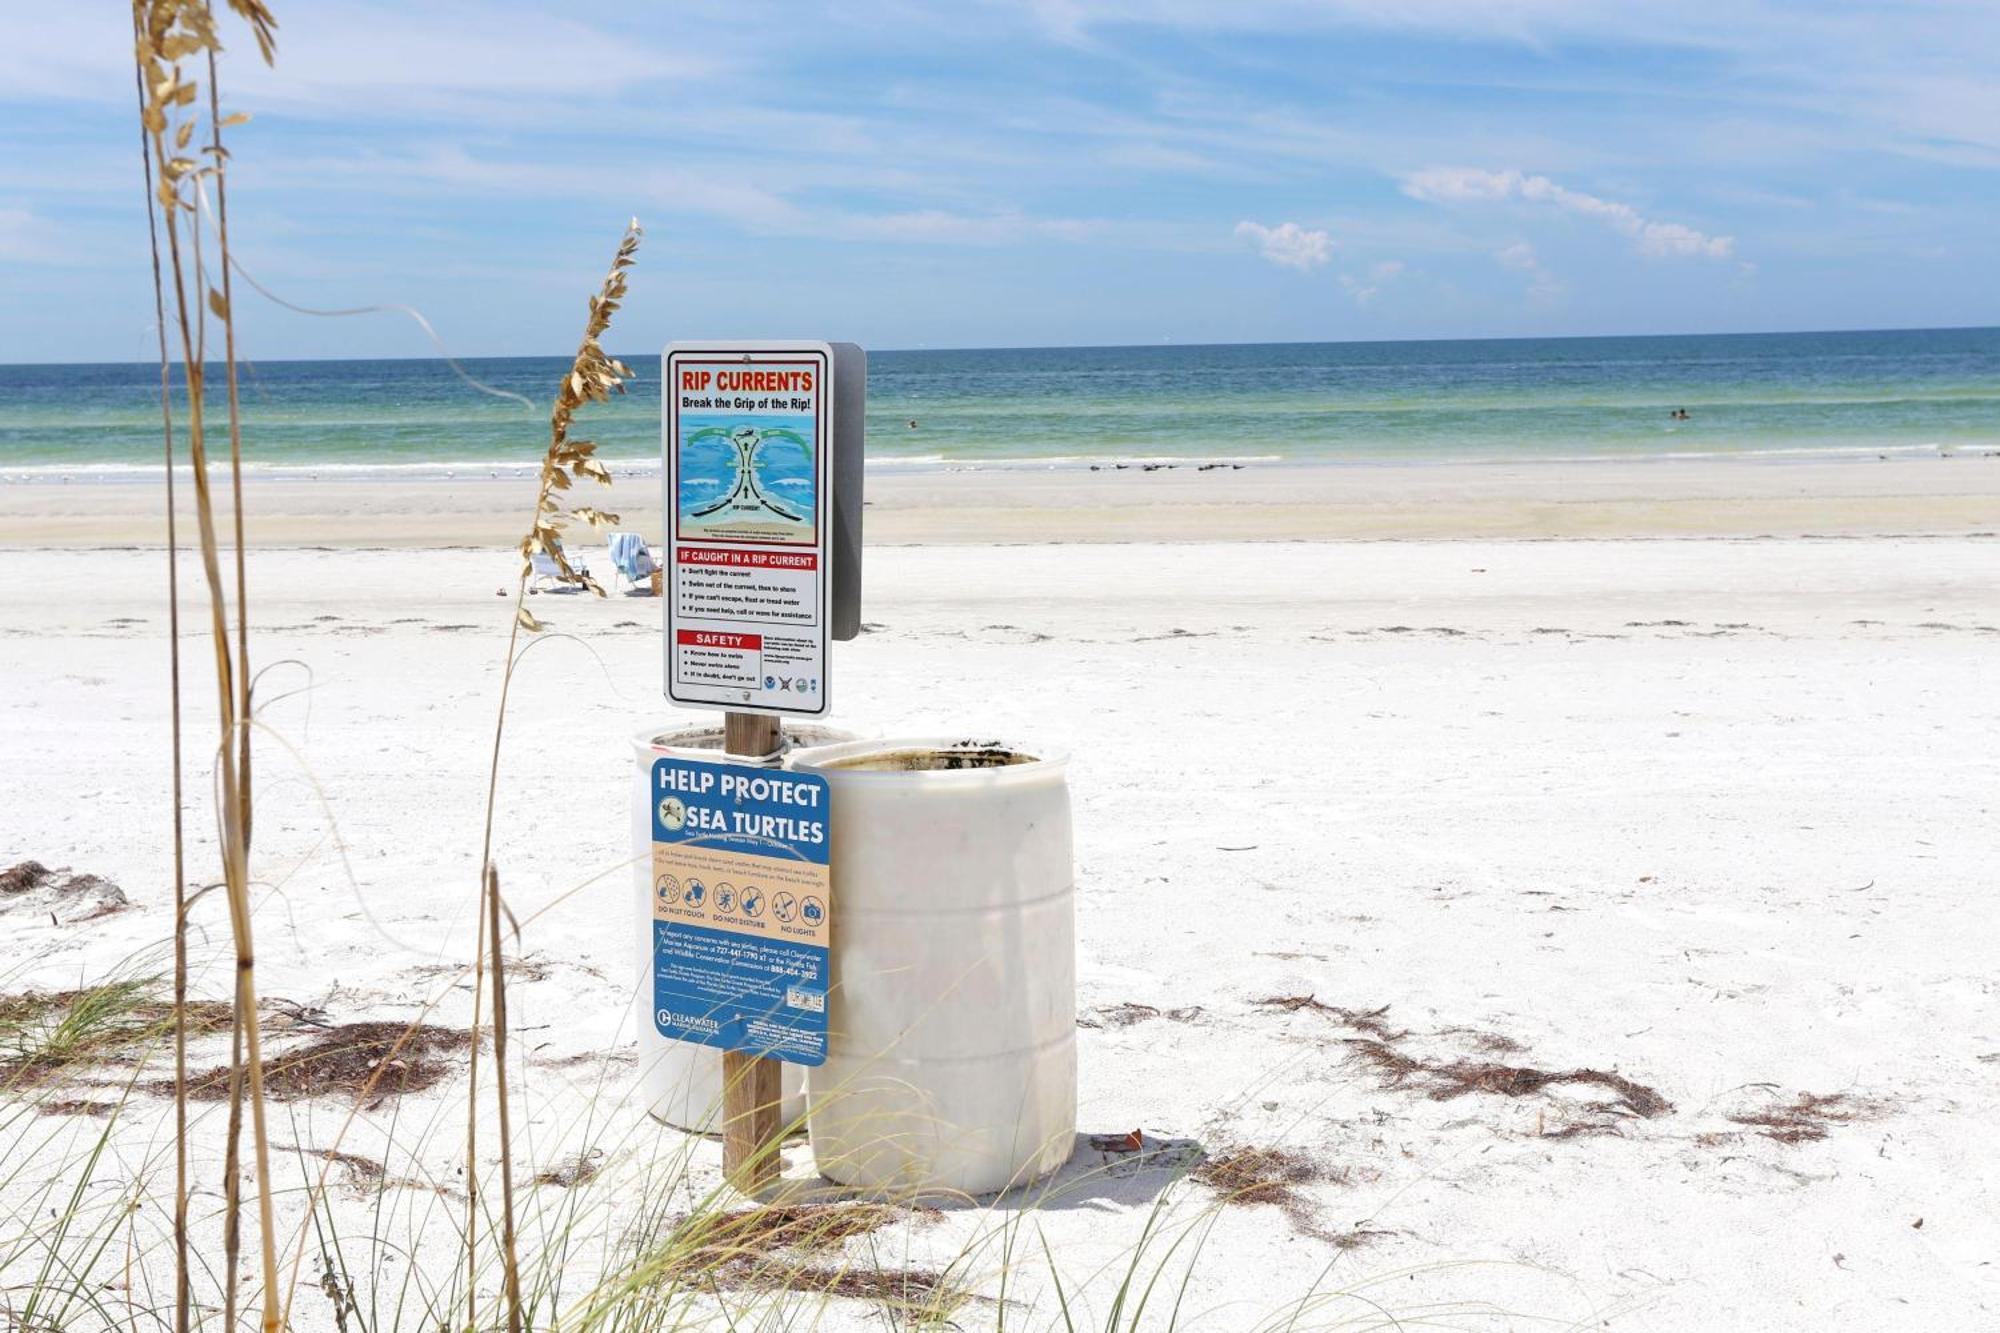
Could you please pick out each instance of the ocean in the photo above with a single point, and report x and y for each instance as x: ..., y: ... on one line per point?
x: 1776, y: 396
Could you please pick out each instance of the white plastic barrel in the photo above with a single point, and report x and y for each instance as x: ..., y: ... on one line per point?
x: 682, y: 1080
x: 951, y: 1060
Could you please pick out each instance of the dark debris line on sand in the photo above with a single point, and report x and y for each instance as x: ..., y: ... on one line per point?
x: 345, y: 1060
x: 1127, y: 1012
x: 578, y: 1169
x: 1444, y: 1080
x: 1259, y: 1175
x: 1808, y: 1117
x: 364, y: 1174
x: 77, y: 1106
x: 915, y: 1289
x: 66, y: 897
x: 1273, y: 1177
x: 1372, y: 1021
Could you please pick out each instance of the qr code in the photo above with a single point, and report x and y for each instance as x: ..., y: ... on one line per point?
x: 810, y: 1000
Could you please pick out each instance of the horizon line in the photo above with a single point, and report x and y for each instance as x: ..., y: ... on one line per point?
x: 1118, y: 347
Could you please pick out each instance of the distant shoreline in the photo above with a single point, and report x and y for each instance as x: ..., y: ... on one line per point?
x: 1304, y: 502
x: 119, y: 474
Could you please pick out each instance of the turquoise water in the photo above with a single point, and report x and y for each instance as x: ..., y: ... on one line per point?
x: 1777, y: 395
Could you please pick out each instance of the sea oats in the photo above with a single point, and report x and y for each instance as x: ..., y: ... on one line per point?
x: 593, y: 377
x: 167, y: 35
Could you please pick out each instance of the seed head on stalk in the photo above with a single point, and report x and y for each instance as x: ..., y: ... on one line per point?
x: 593, y: 377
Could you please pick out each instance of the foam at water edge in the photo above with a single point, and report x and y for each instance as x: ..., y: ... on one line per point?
x: 648, y: 469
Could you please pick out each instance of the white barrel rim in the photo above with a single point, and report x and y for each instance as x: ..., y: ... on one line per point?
x: 704, y: 740
x: 693, y: 736
x: 1037, y: 761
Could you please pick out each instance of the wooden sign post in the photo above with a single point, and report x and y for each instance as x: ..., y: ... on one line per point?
x: 752, y: 1089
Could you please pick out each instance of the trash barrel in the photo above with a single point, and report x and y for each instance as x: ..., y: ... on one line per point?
x: 951, y: 1060
x: 682, y: 1080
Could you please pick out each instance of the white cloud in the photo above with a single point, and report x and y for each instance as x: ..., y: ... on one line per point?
x: 1873, y: 73
x: 1288, y: 244
x: 1515, y: 20
x: 1149, y: 156
x: 1471, y: 185
x: 465, y: 59
x: 1366, y: 286
x: 703, y: 192
x: 26, y: 237
x: 1521, y: 257
x: 944, y: 227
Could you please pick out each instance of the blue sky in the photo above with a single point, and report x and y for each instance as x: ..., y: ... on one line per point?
x: 1071, y: 171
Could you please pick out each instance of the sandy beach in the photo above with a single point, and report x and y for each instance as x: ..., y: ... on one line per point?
x: 1740, y: 497
x: 1688, y: 839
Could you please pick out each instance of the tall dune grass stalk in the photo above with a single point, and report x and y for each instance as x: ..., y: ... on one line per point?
x: 182, y: 1289
x: 510, y: 1256
x: 167, y: 33
x: 243, y: 676
x: 593, y: 377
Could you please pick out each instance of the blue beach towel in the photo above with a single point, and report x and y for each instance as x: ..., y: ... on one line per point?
x: 630, y: 555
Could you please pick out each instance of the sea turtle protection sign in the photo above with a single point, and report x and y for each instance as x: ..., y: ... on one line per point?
x: 741, y: 908
x: 758, y: 527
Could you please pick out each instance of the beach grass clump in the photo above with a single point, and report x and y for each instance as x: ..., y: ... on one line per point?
x: 713, y: 1239
x: 770, y: 1262
x: 44, y: 1033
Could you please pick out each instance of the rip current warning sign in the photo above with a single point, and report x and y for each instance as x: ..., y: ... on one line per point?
x: 750, y: 434
x: 741, y: 908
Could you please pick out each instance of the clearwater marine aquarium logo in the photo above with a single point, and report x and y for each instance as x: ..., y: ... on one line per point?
x: 673, y: 814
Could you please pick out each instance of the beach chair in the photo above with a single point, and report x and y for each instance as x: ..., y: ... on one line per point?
x: 631, y: 557
x: 543, y: 570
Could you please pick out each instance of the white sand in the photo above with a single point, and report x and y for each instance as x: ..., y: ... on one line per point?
x: 1715, y: 814
x: 1739, y: 497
